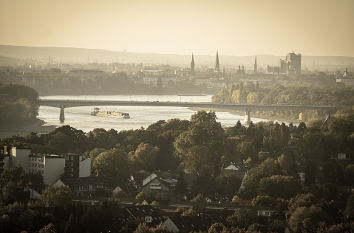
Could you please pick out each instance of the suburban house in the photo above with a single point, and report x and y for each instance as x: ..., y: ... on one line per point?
x: 87, y: 187
x: 149, y: 214
x: 235, y: 170
x: 201, y: 222
x: 155, y: 184
x: 343, y: 156
x: 265, y: 212
x: 184, y: 224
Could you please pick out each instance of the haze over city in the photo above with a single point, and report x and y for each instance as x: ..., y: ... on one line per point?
x: 318, y: 27
x: 177, y: 116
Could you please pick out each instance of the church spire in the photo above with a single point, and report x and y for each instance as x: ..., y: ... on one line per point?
x: 192, y: 64
x: 255, y: 68
x: 217, y: 64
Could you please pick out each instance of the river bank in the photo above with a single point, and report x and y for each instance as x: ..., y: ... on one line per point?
x: 269, y: 117
x: 38, y: 127
x: 143, y: 91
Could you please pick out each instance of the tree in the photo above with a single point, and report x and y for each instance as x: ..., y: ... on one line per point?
x: 227, y: 185
x: 286, y: 162
x: 18, y: 105
x: 279, y: 186
x: 349, y: 209
x: 301, y: 200
x: 349, y: 174
x: 217, y: 228
x: 145, y: 156
x: 14, y: 184
x: 250, y: 185
x: 112, y: 165
x: 48, y: 229
x: 95, y: 152
x: 143, y: 228
x: 66, y: 139
x: 34, y: 181
x: 306, y: 219
x: 269, y: 202
x: 198, y: 159
x: 252, y: 98
x: 56, y: 196
x: 201, y: 146
x: 181, y: 184
x: 71, y: 225
x: 207, y: 120
x: 242, y: 217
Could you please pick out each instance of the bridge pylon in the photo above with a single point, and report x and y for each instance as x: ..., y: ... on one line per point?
x: 248, y: 117
x: 62, y: 115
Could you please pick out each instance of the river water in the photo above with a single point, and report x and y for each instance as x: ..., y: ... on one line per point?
x: 140, y: 116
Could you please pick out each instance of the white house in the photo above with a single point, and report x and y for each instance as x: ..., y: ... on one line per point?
x: 34, y: 195
x: 343, y: 156
x: 170, y: 225
x: 153, y: 183
x: 265, y: 213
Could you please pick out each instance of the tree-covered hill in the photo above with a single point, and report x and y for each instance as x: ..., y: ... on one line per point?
x: 18, y: 105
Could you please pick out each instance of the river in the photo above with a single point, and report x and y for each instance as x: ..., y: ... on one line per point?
x: 140, y: 116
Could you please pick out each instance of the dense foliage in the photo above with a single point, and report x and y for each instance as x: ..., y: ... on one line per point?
x: 18, y: 105
x: 277, y: 93
x: 293, y: 174
x: 286, y: 93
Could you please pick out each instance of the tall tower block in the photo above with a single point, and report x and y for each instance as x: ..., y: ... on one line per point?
x: 217, y: 63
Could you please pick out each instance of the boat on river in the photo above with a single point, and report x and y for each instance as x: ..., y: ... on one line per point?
x: 114, y: 114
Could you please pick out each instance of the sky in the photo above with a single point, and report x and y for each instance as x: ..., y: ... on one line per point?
x: 233, y: 27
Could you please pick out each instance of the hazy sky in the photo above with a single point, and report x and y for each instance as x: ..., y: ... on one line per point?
x: 234, y: 27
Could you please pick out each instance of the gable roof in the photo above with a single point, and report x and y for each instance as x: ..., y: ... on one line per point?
x: 149, y: 179
x: 189, y: 223
x: 142, y: 211
x: 58, y: 183
x: 231, y: 167
x: 202, y: 221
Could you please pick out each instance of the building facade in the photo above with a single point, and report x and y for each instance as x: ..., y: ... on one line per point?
x: 294, y: 63
x: 77, y: 166
x: 50, y: 166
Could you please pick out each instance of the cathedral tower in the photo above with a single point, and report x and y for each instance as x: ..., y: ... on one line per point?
x: 255, y: 68
x: 217, y: 64
x: 192, y: 65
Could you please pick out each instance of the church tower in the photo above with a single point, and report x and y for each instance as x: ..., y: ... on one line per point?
x: 217, y: 64
x: 255, y: 65
x: 192, y: 64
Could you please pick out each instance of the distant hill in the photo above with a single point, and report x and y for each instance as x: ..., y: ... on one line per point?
x: 10, y: 61
x: 82, y: 55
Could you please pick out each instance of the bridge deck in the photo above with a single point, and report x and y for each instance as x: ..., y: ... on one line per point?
x: 206, y: 105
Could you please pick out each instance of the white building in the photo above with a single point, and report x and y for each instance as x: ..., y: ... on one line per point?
x: 17, y: 157
x: 85, y: 168
x: 50, y: 166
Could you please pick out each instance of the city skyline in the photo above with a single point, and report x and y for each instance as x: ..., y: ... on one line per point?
x: 238, y: 28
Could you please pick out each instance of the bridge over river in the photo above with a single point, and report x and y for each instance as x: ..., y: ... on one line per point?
x: 248, y: 108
